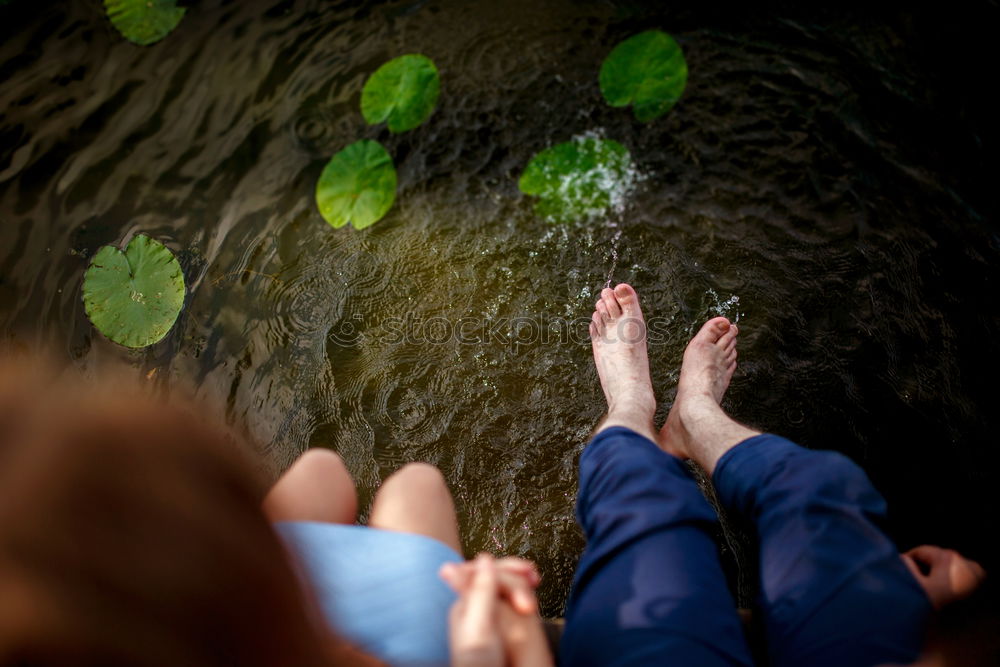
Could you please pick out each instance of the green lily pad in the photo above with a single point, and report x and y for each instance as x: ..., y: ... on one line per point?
x: 648, y: 71
x: 143, y: 22
x: 403, y: 92
x: 358, y: 185
x: 579, y: 179
x: 134, y: 297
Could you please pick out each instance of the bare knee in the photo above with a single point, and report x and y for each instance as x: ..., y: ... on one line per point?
x: 420, y: 478
x: 318, y: 487
x: 319, y: 463
x: 415, y: 499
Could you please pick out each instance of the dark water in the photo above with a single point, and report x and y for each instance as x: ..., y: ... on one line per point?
x: 827, y: 179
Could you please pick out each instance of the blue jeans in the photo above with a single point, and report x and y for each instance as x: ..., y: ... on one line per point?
x: 649, y: 588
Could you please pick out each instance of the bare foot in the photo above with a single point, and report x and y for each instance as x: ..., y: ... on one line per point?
x: 708, y: 366
x: 618, y: 335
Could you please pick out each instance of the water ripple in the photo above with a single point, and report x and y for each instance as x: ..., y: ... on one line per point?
x: 801, y: 185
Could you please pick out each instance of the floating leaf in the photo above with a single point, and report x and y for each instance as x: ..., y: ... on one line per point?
x: 403, y: 92
x: 134, y: 297
x: 646, y: 70
x: 578, y: 179
x: 143, y: 22
x: 358, y: 185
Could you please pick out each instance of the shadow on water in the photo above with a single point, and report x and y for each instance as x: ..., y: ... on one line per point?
x: 823, y: 179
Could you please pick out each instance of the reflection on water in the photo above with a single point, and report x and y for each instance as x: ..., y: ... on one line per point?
x: 807, y: 182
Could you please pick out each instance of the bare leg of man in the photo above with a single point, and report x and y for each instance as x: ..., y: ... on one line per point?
x: 316, y: 488
x: 649, y: 587
x: 834, y: 590
x: 618, y: 335
x: 415, y: 499
x: 697, y: 428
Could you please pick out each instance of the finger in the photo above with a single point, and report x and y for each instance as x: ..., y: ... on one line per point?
x: 978, y: 571
x: 515, y: 563
x: 932, y: 561
x: 456, y: 575
x: 517, y: 578
x: 482, y: 594
x: 461, y: 574
x: 928, y: 554
x: 515, y: 588
x: 521, y: 566
x: 912, y: 566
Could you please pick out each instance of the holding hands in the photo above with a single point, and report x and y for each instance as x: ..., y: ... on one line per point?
x: 495, y: 620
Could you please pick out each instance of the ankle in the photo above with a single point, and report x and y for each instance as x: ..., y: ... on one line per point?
x: 639, y: 403
x: 637, y: 417
x: 692, y: 430
x: 672, y: 438
x: 708, y: 432
x: 697, y: 407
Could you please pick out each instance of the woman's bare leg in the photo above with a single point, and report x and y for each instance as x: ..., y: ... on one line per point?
x: 316, y: 488
x: 415, y: 499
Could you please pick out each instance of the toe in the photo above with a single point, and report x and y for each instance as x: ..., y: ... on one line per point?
x: 627, y: 298
x: 602, y: 310
x: 714, y: 329
x: 730, y: 370
x: 597, y: 323
x: 728, y: 343
x: 611, y: 303
x: 729, y: 337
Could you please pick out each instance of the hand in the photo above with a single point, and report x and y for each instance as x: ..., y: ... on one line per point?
x: 945, y: 574
x: 474, y: 619
x: 517, y: 579
x: 485, y: 629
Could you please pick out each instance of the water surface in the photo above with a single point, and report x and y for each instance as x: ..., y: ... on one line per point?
x: 822, y: 180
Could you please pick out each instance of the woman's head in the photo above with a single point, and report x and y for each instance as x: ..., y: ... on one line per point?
x: 131, y: 533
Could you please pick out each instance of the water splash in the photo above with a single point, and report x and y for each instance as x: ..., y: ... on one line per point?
x: 728, y: 308
x: 581, y: 179
x: 614, y: 252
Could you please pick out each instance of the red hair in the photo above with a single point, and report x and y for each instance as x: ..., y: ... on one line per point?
x: 131, y: 533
